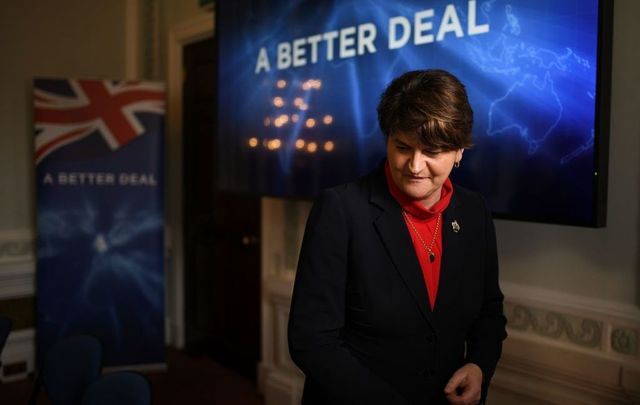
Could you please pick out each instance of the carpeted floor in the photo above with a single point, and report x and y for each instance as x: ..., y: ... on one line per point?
x: 188, y: 380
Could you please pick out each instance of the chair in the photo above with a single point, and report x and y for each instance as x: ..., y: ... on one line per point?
x: 119, y: 388
x: 5, y: 328
x: 70, y: 366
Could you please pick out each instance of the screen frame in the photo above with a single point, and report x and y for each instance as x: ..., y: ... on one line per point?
x: 601, y: 131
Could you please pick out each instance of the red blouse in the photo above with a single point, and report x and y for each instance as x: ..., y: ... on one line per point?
x: 424, y: 220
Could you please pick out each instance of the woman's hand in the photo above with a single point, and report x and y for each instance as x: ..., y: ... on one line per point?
x: 464, y: 386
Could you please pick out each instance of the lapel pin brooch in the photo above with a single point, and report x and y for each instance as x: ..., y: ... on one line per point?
x: 455, y: 226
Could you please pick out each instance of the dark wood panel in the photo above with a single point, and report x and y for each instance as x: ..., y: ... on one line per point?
x: 222, y: 250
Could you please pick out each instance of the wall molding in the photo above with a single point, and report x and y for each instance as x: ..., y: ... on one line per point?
x: 17, y: 280
x: 564, y: 348
x: 580, y: 331
x: 17, y: 264
x: 625, y: 341
x: 17, y: 245
x: 608, y: 329
x: 569, y: 303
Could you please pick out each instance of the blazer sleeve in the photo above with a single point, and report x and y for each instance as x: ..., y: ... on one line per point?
x: 484, y: 341
x: 317, y: 313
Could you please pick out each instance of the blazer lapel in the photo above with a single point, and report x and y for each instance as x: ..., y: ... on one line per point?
x: 452, y: 260
x: 395, y: 237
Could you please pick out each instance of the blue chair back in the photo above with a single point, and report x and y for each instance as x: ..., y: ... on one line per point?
x: 70, y: 366
x: 119, y: 388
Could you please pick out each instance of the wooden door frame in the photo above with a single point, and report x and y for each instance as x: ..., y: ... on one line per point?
x: 180, y: 35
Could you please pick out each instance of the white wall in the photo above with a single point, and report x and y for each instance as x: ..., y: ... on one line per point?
x: 70, y: 38
x: 64, y: 38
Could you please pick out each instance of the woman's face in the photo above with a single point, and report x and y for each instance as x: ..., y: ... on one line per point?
x: 419, y: 172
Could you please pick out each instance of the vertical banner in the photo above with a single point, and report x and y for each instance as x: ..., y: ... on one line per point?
x: 100, y: 215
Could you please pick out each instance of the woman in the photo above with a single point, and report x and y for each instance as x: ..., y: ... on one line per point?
x: 396, y: 298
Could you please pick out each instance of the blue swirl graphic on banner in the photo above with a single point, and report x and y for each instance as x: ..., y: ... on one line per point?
x: 100, y: 240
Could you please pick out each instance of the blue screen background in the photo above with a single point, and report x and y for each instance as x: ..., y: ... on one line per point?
x: 531, y: 81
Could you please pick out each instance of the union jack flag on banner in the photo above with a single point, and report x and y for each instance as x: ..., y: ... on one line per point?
x: 99, y: 153
x: 69, y: 110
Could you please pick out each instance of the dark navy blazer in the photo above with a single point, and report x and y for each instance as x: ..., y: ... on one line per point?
x: 361, y: 327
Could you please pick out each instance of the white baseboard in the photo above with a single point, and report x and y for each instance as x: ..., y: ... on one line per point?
x: 19, y: 350
x: 280, y: 387
x: 538, y: 372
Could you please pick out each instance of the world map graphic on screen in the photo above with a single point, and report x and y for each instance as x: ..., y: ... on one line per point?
x: 299, y: 82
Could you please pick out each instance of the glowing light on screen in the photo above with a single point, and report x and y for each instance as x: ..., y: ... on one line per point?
x: 281, y: 120
x: 329, y: 146
x: 278, y: 102
x: 274, y: 144
x: 312, y: 147
x: 328, y: 119
x: 310, y: 123
x: 281, y: 84
x: 310, y: 84
x: 253, y: 142
x: 300, y: 143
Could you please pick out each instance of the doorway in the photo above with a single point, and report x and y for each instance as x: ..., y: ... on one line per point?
x: 221, y: 233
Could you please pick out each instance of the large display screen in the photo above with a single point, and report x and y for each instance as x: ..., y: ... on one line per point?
x: 299, y: 82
